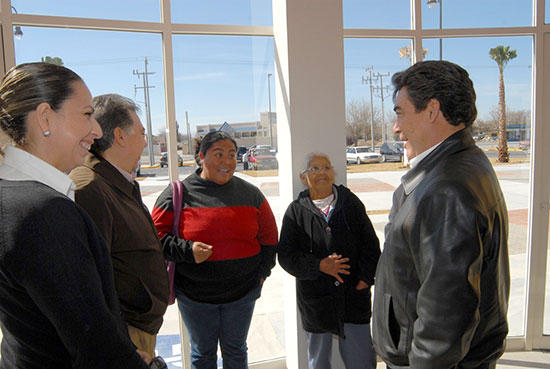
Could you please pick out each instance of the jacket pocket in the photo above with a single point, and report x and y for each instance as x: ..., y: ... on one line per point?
x: 390, y: 322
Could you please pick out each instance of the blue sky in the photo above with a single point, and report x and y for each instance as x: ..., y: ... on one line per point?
x: 224, y: 78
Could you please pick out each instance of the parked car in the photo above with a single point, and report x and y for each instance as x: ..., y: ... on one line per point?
x: 262, y: 158
x: 256, y: 146
x: 362, y: 154
x: 164, y: 160
x: 241, y: 150
x: 392, y: 151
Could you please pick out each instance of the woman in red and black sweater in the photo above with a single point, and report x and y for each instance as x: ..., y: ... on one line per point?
x: 224, y: 251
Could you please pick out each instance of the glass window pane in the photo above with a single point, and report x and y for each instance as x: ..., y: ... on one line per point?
x: 371, y: 62
x: 376, y: 14
x: 135, y: 10
x: 476, y: 14
x: 235, y: 12
x: 518, y: 81
x: 106, y: 61
x: 224, y: 80
x: 547, y: 12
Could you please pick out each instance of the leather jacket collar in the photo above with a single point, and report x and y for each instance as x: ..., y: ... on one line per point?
x: 454, y: 143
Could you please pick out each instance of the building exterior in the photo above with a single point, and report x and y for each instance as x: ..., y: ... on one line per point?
x: 247, y: 133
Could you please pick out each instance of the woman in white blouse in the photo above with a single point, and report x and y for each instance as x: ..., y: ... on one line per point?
x: 58, y: 306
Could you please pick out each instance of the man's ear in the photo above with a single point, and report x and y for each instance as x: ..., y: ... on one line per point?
x: 433, y: 108
x: 119, y: 136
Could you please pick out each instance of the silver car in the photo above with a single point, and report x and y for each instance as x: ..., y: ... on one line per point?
x: 362, y: 154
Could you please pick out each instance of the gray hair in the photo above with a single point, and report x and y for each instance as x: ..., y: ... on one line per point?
x: 112, y: 111
x: 309, y: 158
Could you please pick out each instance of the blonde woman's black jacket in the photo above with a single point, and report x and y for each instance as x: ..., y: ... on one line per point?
x: 443, y: 280
x: 306, y: 238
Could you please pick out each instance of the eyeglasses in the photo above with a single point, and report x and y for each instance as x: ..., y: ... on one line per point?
x: 316, y: 169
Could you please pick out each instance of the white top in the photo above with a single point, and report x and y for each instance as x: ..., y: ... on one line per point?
x: 326, y: 205
x: 20, y: 165
x: 418, y: 158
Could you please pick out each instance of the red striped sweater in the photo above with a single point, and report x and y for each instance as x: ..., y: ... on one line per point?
x: 236, y: 219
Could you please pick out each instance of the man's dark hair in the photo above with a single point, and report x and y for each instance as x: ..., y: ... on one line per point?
x: 112, y: 111
x: 444, y: 81
x: 202, y: 145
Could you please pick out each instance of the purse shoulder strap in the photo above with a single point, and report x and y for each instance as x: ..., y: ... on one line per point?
x: 177, y: 199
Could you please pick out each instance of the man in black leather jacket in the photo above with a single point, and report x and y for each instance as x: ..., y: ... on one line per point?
x: 443, y: 280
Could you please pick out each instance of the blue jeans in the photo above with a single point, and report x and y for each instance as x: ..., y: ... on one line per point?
x: 227, y: 323
x: 356, y: 349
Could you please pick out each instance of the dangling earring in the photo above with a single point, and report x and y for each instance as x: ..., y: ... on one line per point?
x: 47, y: 133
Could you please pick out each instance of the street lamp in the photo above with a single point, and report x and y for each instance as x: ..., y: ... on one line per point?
x: 432, y: 4
x: 269, y: 98
x: 18, y: 33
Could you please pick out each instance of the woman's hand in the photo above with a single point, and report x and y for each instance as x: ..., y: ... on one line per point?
x: 361, y: 285
x: 335, y: 265
x: 201, y: 251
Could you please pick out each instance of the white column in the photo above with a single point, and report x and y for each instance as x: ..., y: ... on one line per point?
x: 309, y: 78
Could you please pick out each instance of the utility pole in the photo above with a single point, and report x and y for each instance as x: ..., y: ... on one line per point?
x: 146, y: 88
x: 381, y: 90
x: 188, y: 134
x: 369, y: 81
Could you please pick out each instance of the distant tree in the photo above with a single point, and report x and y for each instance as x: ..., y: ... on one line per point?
x: 55, y: 60
x: 161, y: 134
x: 502, y: 55
x: 358, y: 119
x: 513, y: 117
x: 482, y: 126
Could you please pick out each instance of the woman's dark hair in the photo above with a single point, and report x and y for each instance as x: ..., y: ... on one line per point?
x: 444, y: 81
x: 204, y: 144
x: 26, y: 86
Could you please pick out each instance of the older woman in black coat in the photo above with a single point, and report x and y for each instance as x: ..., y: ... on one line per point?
x: 328, y: 243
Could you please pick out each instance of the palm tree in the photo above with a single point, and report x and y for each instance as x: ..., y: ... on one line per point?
x: 502, y: 55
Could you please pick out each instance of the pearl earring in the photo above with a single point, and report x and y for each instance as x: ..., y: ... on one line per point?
x: 47, y: 133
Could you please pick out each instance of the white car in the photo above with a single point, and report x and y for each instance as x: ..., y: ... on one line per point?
x: 362, y: 154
